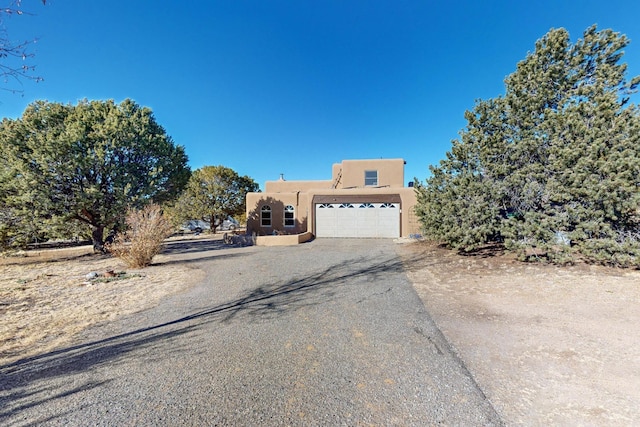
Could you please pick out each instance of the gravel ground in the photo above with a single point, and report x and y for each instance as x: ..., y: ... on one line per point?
x: 548, y: 345
x: 326, y: 333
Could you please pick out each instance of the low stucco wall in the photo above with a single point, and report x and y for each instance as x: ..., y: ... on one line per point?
x: 283, y: 240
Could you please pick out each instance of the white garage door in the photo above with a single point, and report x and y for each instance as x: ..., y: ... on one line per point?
x: 358, y: 220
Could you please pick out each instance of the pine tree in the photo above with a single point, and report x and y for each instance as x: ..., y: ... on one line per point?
x: 212, y: 194
x: 557, y: 157
x: 89, y: 162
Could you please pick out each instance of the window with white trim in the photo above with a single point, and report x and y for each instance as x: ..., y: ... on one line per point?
x: 265, y: 216
x: 346, y: 205
x: 289, y: 216
x: 367, y: 205
x: 370, y: 178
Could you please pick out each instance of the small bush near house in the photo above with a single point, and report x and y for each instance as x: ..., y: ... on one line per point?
x: 146, y: 230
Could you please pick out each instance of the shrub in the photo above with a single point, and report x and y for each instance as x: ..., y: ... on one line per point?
x: 146, y: 230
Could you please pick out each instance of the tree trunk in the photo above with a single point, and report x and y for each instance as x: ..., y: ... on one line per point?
x: 97, y: 235
x: 213, y: 226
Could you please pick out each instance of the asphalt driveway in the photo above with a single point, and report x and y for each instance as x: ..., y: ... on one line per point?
x: 326, y: 333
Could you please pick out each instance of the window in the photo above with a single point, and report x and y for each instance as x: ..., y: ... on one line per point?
x: 370, y: 178
x: 387, y: 205
x: 289, y: 216
x: 326, y: 205
x: 367, y: 205
x: 346, y: 205
x: 265, y: 216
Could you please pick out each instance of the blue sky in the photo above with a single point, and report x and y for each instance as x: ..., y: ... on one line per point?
x: 270, y: 87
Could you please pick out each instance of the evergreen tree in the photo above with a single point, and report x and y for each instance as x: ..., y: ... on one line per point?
x: 554, y: 164
x: 89, y: 162
x: 212, y: 194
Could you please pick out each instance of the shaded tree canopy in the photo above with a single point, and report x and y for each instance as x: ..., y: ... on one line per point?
x: 14, y: 54
x: 88, y: 162
x: 213, y: 193
x: 553, y: 166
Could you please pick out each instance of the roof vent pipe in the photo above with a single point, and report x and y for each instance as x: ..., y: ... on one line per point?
x: 281, y: 177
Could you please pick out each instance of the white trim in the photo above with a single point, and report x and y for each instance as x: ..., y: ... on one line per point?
x: 263, y: 210
x: 293, y: 216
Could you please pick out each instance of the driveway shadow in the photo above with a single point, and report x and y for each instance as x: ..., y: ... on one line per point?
x: 191, y: 251
x: 188, y: 246
x: 274, y: 298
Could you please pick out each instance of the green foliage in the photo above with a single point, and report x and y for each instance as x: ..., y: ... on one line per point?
x: 461, y: 218
x: 553, y: 166
x: 213, y: 193
x: 17, y: 225
x: 17, y: 229
x: 89, y: 162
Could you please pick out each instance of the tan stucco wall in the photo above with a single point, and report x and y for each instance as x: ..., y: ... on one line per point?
x: 277, y: 202
x: 292, y: 186
x: 348, y: 174
x: 390, y: 172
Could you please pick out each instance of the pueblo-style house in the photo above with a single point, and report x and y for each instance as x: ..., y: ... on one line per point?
x: 363, y: 198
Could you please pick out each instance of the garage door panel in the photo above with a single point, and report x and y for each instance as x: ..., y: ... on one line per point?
x: 358, y: 220
x: 326, y: 220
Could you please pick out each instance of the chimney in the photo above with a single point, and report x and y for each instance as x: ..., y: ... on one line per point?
x: 281, y: 177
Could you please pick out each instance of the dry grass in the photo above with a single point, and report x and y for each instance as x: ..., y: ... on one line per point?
x: 146, y: 230
x: 47, y: 299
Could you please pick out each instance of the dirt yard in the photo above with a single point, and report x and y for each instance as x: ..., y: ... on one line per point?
x: 548, y: 345
x: 46, y: 297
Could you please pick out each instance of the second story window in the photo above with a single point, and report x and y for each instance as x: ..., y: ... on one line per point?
x: 370, y: 178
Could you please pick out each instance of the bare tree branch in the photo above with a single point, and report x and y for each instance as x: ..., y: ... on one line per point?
x: 15, y: 56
